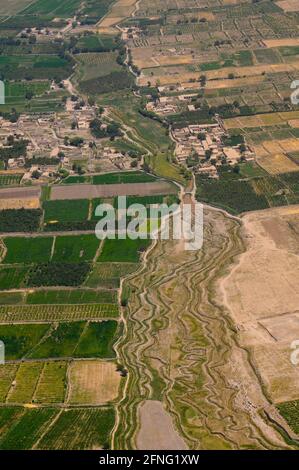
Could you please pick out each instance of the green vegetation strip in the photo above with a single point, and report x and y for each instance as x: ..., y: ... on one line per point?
x: 48, y: 313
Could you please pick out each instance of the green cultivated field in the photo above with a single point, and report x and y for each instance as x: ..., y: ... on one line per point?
x: 96, y: 64
x: 10, y: 180
x: 57, y: 274
x: 109, y: 274
x: 75, y: 249
x: 26, y: 381
x: 55, y: 7
x: 41, y: 98
x: 46, y: 385
x: 65, y: 340
x: 61, y: 342
x: 237, y: 194
x: 75, y: 429
x: 80, y: 429
x: 7, y: 416
x: 20, y: 339
x: 52, y: 383
x: 290, y: 411
x: 93, y: 9
x: 77, y: 179
x: 145, y: 200
x: 11, y: 298
x: 28, y: 250
x: 12, y: 278
x: 97, y: 340
x: 26, y: 427
x: 71, y: 297
x: 19, y: 89
x: 125, y: 177
x: 66, y: 210
x: 127, y: 251
x: 30, y: 66
x: 20, y: 220
x: 114, y: 81
x: 96, y: 43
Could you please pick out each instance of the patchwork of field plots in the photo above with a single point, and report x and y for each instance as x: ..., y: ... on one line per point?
x: 62, y: 340
x: 277, y: 163
x: 261, y: 120
x: 251, y: 190
x: 61, y: 311
x: 60, y: 317
x: 82, y: 382
x: 53, y: 429
x: 43, y: 98
x: 93, y: 65
x: 10, y: 179
x: 118, y: 12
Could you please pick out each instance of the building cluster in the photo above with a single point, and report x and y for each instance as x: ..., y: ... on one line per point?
x: 204, y: 146
x: 133, y: 32
x: 165, y: 105
x: 119, y: 159
x: 64, y: 137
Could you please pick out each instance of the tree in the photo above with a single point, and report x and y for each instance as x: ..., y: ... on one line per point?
x: 29, y: 95
x: 208, y: 154
x: 10, y: 140
x: 36, y: 174
x: 236, y: 169
x: 96, y: 129
x: 76, y: 141
x: 113, y: 129
x: 203, y: 80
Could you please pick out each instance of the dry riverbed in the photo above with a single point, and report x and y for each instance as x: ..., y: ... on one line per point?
x: 182, y: 348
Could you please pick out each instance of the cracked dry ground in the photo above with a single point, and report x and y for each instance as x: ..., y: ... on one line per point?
x: 180, y: 348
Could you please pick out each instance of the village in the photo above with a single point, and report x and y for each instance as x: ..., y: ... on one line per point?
x: 203, y: 147
x: 61, y: 144
x: 52, y: 146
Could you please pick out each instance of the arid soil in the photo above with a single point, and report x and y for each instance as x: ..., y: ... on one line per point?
x: 89, y: 191
x: 262, y: 294
x: 156, y: 429
x: 25, y: 203
x: 94, y: 382
x: 19, y: 193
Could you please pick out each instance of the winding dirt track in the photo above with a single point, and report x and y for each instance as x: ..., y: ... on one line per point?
x: 180, y: 347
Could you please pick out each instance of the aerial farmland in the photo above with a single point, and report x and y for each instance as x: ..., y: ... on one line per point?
x: 116, y: 343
